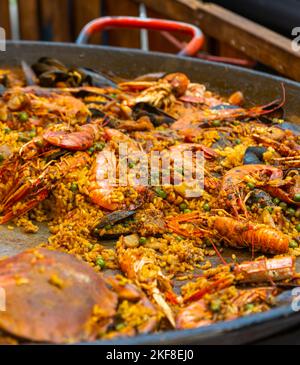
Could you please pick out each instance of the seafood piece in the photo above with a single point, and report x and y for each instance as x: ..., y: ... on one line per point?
x: 140, y: 266
x: 54, y: 297
x: 33, y: 191
x: 51, y: 72
x: 186, y: 225
x: 150, y: 222
x: 159, y: 94
x: 208, y: 310
x: 282, y: 148
x: 194, y: 315
x: 254, y: 155
x: 234, y: 181
x: 236, y: 233
x: 209, y: 153
x: 266, y: 270
x: 157, y: 116
x: 136, y: 312
x: 102, y: 191
x: 228, y: 112
x: 258, y: 237
x: 76, y: 141
x: 261, y: 271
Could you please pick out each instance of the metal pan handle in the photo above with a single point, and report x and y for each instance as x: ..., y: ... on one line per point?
x: 99, y: 24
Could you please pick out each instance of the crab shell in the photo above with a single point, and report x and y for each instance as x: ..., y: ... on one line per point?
x: 53, y: 297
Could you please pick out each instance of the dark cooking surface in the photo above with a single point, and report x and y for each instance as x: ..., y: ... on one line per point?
x: 258, y: 88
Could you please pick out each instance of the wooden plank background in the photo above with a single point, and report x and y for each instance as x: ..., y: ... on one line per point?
x: 4, y: 17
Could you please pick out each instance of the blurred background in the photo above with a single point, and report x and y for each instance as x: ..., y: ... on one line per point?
x: 248, y: 33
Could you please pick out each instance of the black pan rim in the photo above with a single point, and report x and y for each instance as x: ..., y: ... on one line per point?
x: 162, y: 55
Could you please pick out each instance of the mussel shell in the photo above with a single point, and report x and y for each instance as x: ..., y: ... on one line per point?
x: 254, y: 155
x: 96, y: 78
x: 49, y: 78
x: 30, y: 76
x: 157, y: 116
x: 52, y: 62
x: 260, y: 197
x: 114, y: 217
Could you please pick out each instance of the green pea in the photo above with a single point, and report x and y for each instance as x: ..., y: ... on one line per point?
x: 1, y: 158
x: 182, y: 206
x: 74, y: 187
x: 269, y: 209
x: 100, y: 262
x: 99, y: 146
x: 7, y: 130
x: 216, y: 123
x: 23, y: 116
x: 298, y: 227
x: 250, y: 185
x: 293, y: 244
x: 91, y: 150
x: 206, y: 207
x: 249, y: 306
x: 297, y: 198
x: 215, y: 305
x: 107, y: 227
x: 142, y: 240
x: 291, y: 212
x: 237, y: 141
x: 276, y: 201
x: 40, y: 143
x: 32, y: 134
x: 283, y: 205
x: 120, y: 326
x: 187, y: 211
x: 96, y: 231
x: 161, y: 193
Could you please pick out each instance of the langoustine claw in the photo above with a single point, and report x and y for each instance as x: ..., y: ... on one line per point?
x: 139, y: 265
x: 53, y: 297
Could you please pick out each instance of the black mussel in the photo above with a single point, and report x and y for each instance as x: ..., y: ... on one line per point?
x: 29, y: 75
x: 49, y: 78
x: 114, y: 217
x: 224, y: 106
x: 45, y: 64
x: 153, y: 76
x: 97, y: 78
x: 156, y: 115
x: 96, y: 113
x: 261, y: 198
x: 254, y: 155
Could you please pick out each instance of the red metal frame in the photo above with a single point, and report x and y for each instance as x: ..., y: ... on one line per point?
x: 100, y: 24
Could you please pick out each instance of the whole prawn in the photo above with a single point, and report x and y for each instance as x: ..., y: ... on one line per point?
x: 236, y: 233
